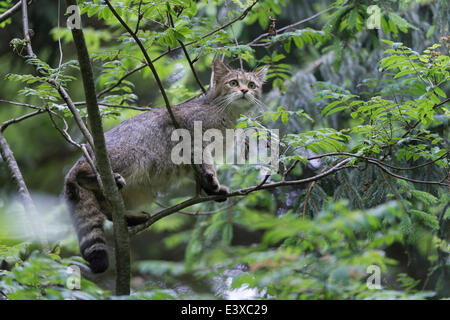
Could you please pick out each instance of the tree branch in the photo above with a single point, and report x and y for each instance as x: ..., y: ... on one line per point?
x: 11, y: 11
x: 188, y: 58
x: 76, y: 115
x: 129, y: 73
x: 245, y: 191
x: 26, y: 29
x: 30, y: 209
x: 417, y: 122
x: 241, y: 192
x: 69, y: 139
x: 21, y: 104
x: 111, y: 191
x: 115, y: 106
x: 376, y: 160
x: 16, y: 120
x: 255, y: 41
x: 148, y: 60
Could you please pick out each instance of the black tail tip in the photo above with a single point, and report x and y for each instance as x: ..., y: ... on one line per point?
x: 98, y: 261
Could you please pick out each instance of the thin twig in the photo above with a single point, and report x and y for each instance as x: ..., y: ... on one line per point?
x: 188, y: 58
x: 417, y: 122
x: 148, y: 60
x: 78, y: 103
x: 64, y: 132
x: 308, y: 193
x: 204, y: 213
x: 21, y: 104
x: 405, y: 178
x: 255, y: 41
x: 236, y: 42
x: 59, y: 38
x: 290, y: 169
x: 129, y: 73
x: 76, y: 115
x: 11, y: 11
x: 16, y: 120
x: 392, y: 190
x: 376, y: 160
x: 140, y: 15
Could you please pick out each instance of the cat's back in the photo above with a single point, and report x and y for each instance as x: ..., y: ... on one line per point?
x: 136, y: 126
x: 156, y: 121
x: 145, y: 139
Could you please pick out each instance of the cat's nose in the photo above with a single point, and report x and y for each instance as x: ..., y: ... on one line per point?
x: 244, y: 90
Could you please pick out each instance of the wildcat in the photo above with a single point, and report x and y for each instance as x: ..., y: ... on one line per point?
x: 139, y: 150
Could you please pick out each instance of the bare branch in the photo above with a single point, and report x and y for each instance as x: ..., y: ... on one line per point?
x: 26, y: 29
x: 76, y: 114
x: 64, y: 132
x: 140, y: 15
x: 188, y: 58
x: 10, y: 12
x: 115, y: 106
x: 21, y: 104
x: 236, y: 42
x: 255, y: 41
x: 16, y: 120
x: 373, y: 160
x: 30, y: 208
x: 204, y: 213
x: 379, y: 165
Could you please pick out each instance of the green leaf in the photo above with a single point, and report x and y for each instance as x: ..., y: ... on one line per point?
x: 330, y: 106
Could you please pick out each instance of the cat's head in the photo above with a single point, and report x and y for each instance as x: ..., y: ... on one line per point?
x: 236, y: 89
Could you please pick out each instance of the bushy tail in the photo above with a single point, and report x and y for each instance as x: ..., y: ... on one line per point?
x: 88, y: 222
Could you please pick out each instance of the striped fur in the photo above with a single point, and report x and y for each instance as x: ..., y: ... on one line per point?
x: 88, y: 222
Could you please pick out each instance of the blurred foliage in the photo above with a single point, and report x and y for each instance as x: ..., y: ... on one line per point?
x: 337, y: 83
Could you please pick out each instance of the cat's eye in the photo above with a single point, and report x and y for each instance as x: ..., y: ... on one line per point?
x: 251, y: 85
x: 233, y: 83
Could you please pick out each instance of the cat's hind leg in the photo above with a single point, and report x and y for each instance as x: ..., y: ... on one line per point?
x: 89, y: 181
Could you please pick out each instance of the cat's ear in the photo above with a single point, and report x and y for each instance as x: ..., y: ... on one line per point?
x: 220, y: 69
x: 261, y: 74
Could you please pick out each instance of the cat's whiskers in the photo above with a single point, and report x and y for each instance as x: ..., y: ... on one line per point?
x: 258, y: 103
x: 225, y: 101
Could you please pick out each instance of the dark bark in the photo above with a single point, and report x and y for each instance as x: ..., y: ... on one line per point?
x: 111, y: 191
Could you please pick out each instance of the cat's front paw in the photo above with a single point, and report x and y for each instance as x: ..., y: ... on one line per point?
x: 136, y: 218
x: 213, y: 184
x: 223, y: 190
x: 120, y: 181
